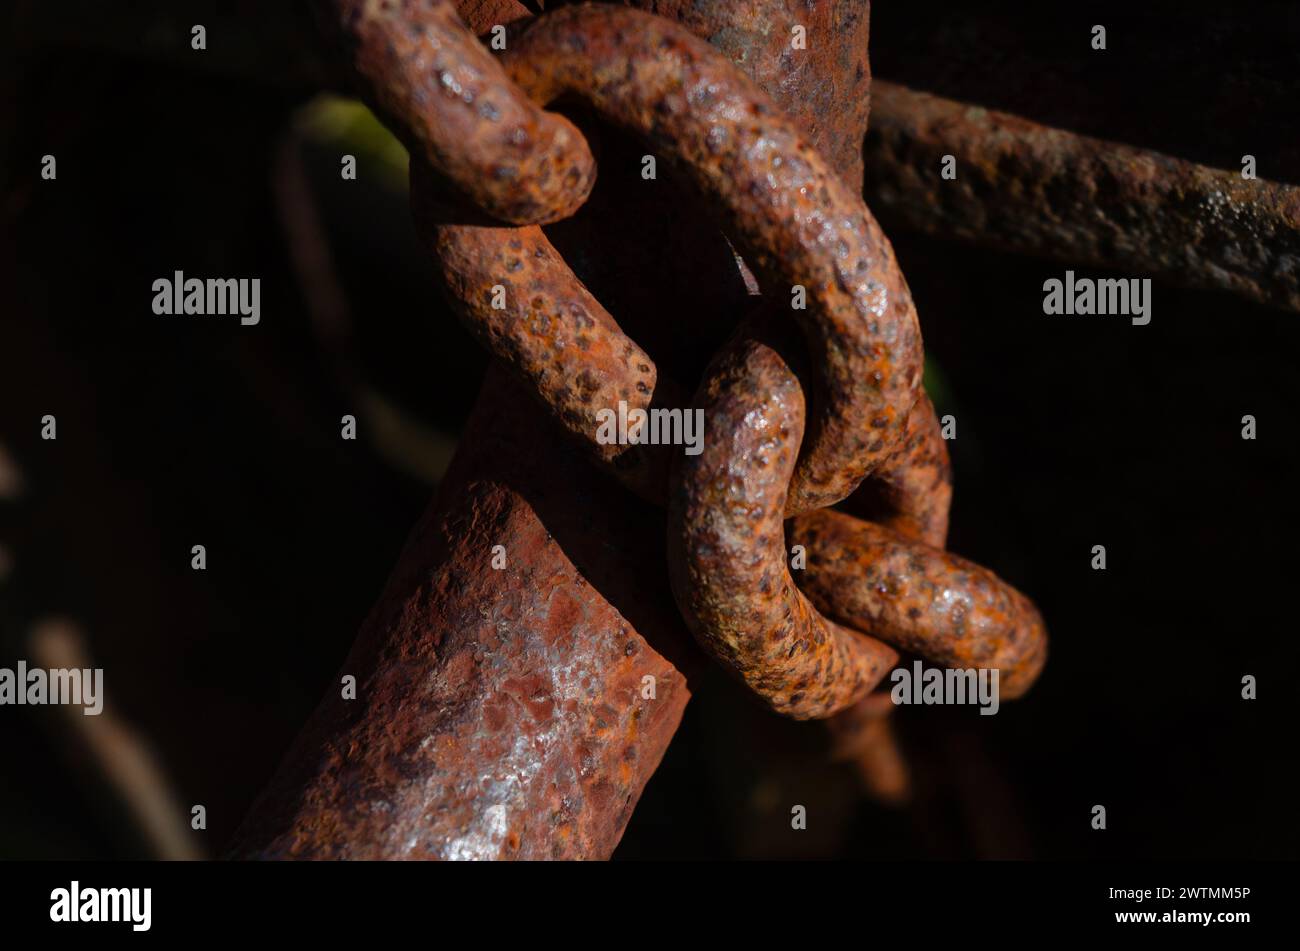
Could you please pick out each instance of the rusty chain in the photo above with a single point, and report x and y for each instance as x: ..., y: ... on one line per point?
x: 490, y: 165
x: 795, y: 223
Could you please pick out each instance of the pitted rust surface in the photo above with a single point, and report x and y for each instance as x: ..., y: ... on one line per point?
x: 790, y: 216
x: 446, y: 97
x: 541, y: 345
x: 920, y: 599
x: 911, y: 491
x: 825, y: 88
x: 727, y: 551
x: 500, y: 713
x: 550, y: 331
x: 1037, y: 190
x: 758, y: 41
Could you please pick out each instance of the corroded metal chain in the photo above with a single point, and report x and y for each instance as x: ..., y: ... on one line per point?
x: 490, y: 165
x: 477, y: 122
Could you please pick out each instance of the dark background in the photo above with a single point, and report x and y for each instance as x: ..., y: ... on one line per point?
x: 1071, y: 433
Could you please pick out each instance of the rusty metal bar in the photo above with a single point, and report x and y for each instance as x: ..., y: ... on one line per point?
x: 499, y: 712
x: 1032, y: 189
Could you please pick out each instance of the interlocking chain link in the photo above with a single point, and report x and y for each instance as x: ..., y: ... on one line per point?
x: 477, y: 131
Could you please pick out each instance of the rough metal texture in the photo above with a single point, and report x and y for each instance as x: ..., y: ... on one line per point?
x: 726, y: 545
x: 504, y: 713
x: 825, y: 87
x: 448, y: 99
x: 567, y: 347
x: 550, y: 331
x: 499, y: 713
x: 1028, y: 188
x: 361, y: 769
x: 920, y: 599
x: 794, y: 221
x: 911, y: 491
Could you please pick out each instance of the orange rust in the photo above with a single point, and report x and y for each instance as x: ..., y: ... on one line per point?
x: 789, y: 214
x: 921, y: 599
x: 455, y: 660
x: 727, y: 548
x: 447, y: 98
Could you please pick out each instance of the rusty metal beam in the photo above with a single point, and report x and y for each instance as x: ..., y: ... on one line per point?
x: 1032, y: 189
x: 499, y: 712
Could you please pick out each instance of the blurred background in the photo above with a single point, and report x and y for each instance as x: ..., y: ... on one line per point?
x: 1071, y: 433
